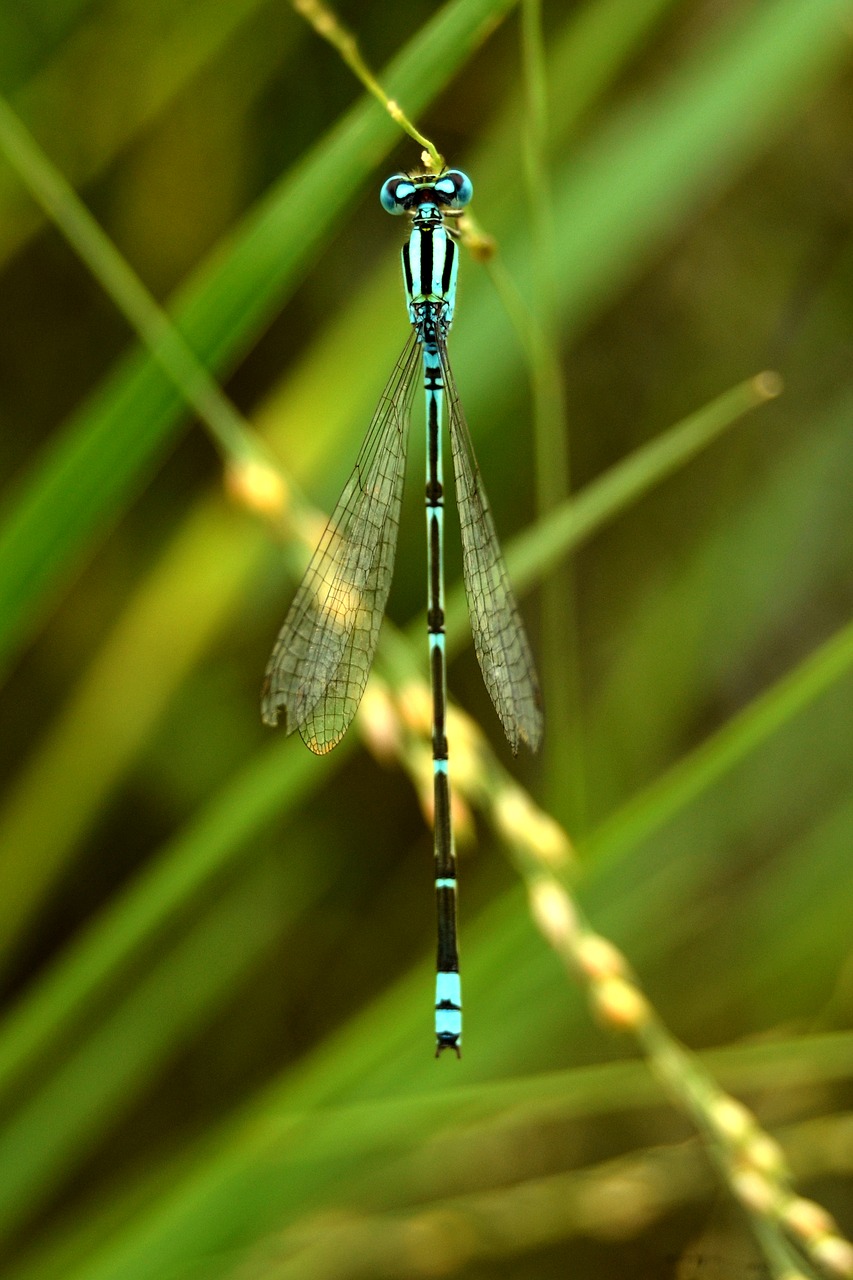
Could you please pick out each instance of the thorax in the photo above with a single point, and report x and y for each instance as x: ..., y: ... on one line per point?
x: 430, y: 264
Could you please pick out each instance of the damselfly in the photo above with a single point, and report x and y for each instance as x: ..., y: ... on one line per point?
x: 319, y: 666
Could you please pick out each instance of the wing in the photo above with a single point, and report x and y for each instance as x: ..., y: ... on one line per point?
x: 500, y: 640
x: 322, y: 657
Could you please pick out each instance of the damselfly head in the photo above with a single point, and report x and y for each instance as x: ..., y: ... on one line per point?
x: 403, y: 193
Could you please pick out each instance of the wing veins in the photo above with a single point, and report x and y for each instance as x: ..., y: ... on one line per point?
x: 500, y: 641
x: 319, y: 666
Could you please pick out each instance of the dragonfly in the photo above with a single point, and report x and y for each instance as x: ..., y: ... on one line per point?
x: 322, y: 657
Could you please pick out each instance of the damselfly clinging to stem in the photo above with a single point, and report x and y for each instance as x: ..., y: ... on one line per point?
x: 322, y: 658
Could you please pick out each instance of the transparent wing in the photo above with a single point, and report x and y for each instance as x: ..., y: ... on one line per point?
x: 322, y: 657
x: 500, y: 641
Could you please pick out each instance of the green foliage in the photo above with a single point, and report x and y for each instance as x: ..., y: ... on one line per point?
x: 215, y: 1058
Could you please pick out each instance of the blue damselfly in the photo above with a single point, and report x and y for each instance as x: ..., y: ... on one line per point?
x: 319, y: 667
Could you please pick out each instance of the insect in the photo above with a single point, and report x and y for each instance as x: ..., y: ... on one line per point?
x: 319, y: 667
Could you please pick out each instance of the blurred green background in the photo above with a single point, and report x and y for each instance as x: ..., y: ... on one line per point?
x: 216, y: 1056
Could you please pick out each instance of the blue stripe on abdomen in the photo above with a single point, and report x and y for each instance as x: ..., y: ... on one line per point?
x: 448, y: 1011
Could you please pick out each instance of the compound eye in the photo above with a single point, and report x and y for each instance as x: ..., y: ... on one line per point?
x: 395, y: 192
x: 456, y: 188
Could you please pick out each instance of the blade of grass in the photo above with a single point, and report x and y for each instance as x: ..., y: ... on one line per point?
x: 271, y: 786
x: 559, y: 643
x: 153, y: 327
x: 700, y: 769
x: 174, y: 612
x: 161, y: 49
x: 739, y: 88
x: 53, y: 1131
x: 597, y: 46
x: 504, y: 1110
x: 532, y: 555
x: 647, y: 169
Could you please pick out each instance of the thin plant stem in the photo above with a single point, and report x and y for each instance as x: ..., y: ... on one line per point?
x: 560, y: 645
x: 151, y: 323
x: 327, y: 24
